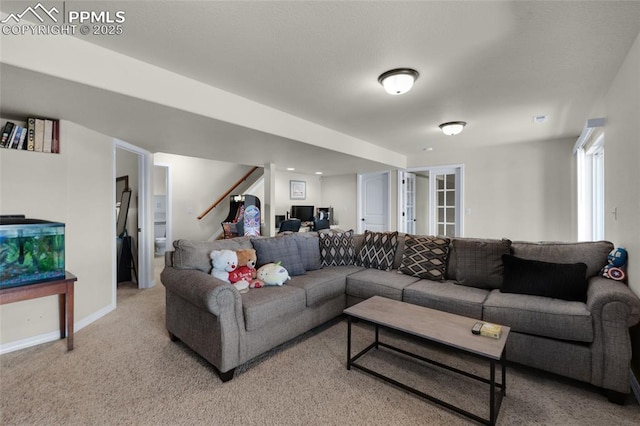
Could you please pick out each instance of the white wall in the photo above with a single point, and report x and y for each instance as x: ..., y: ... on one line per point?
x: 521, y: 192
x: 622, y: 161
x: 75, y: 187
x: 340, y: 192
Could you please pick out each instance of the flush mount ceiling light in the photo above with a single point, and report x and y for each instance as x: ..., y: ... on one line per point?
x: 452, y: 128
x: 398, y: 81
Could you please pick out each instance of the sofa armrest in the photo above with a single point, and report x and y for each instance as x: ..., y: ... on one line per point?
x: 603, y: 291
x: 202, y: 290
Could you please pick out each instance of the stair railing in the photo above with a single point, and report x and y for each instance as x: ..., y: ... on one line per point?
x: 226, y: 194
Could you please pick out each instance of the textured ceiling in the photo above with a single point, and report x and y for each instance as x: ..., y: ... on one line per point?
x: 492, y: 64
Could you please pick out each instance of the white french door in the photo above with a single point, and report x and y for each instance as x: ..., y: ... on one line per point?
x: 445, y: 199
x: 407, y: 204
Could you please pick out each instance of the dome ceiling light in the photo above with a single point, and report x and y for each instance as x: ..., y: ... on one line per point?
x: 452, y: 127
x: 398, y: 81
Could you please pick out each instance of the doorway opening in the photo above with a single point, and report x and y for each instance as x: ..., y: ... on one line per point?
x: 430, y: 201
x: 135, y: 164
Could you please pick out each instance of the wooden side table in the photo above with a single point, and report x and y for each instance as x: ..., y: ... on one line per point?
x: 63, y: 287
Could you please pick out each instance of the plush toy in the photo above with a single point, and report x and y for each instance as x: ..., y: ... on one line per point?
x: 246, y: 270
x: 225, y: 263
x: 272, y: 274
x: 617, y: 259
x: 247, y: 260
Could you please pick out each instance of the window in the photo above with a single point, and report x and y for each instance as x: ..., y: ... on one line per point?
x: 589, y: 151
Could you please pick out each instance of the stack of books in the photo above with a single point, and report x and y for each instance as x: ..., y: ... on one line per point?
x: 37, y: 134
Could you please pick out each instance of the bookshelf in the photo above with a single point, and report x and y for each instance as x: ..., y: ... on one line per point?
x: 36, y: 134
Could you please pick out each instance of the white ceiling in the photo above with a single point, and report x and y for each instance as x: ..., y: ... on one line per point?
x: 495, y: 65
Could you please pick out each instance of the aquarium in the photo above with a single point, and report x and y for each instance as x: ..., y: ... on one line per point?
x: 31, y: 251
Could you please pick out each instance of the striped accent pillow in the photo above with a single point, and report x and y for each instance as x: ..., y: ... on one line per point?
x: 425, y: 257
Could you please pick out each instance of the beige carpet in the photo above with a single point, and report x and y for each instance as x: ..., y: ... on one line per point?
x: 125, y: 370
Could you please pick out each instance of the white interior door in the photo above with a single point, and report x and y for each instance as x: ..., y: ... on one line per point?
x: 410, y: 203
x: 373, y: 202
x: 445, y: 195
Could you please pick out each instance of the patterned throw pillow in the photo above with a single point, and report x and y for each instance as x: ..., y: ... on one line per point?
x: 378, y: 250
x: 337, y: 248
x: 425, y: 257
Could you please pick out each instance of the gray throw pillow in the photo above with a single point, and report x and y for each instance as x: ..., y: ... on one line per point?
x: 279, y: 249
x: 479, y: 261
x: 309, y: 249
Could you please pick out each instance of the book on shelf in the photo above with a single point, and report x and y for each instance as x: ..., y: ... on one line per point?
x: 55, y: 137
x: 15, y: 137
x: 23, y: 137
x: 31, y: 133
x: 6, y: 133
x: 48, y: 132
x: 39, y: 135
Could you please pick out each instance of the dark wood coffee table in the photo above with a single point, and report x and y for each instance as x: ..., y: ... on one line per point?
x: 450, y: 330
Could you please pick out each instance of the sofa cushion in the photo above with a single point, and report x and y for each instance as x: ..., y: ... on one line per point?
x: 540, y: 316
x: 558, y: 280
x: 279, y: 249
x: 378, y: 250
x: 309, y: 248
x: 337, y: 248
x: 323, y: 284
x: 191, y: 254
x: 425, y: 257
x: 374, y: 282
x: 447, y: 296
x: 592, y: 253
x: 270, y: 303
x: 478, y: 262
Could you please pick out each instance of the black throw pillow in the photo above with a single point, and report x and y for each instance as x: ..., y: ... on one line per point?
x: 565, y: 281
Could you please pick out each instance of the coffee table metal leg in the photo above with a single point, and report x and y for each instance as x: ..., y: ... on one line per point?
x: 377, y: 336
x: 492, y: 395
x: 348, y: 343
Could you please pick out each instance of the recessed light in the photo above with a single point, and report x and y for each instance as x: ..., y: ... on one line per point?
x: 318, y: 173
x: 290, y: 169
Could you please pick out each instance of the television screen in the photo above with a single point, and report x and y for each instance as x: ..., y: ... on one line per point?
x: 304, y: 213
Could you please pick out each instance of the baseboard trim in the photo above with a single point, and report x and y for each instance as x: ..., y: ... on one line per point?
x: 54, y: 335
x: 635, y: 385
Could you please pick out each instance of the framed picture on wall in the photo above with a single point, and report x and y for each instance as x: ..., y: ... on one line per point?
x: 297, y: 190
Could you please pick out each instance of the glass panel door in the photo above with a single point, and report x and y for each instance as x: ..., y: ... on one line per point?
x: 410, y: 203
x: 446, y: 206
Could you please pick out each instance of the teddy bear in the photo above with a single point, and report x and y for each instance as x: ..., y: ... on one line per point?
x: 246, y: 270
x: 272, y: 274
x: 247, y: 260
x: 225, y: 263
x: 614, y: 269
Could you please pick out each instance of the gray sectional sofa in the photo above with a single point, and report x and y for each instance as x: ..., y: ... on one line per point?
x: 585, y: 339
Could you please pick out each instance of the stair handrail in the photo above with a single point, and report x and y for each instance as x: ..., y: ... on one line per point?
x: 226, y: 194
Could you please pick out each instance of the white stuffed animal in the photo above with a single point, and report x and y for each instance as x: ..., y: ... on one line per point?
x: 225, y: 262
x: 273, y: 274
